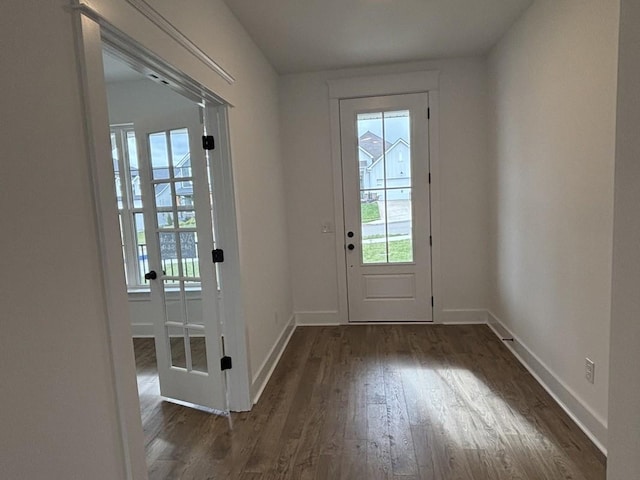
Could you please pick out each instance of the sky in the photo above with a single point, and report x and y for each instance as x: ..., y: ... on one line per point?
x: 396, y: 125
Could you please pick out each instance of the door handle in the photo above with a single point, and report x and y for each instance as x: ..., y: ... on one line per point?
x: 152, y: 275
x: 351, y: 246
x: 350, y: 234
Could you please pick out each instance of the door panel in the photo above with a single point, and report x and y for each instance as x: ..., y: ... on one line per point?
x: 180, y: 240
x: 385, y: 168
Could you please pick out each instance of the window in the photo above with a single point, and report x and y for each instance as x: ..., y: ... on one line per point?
x: 130, y: 206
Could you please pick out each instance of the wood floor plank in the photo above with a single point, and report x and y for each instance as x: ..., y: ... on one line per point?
x: 393, y: 402
x: 378, y: 448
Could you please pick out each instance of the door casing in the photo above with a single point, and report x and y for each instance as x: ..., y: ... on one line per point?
x: 381, y: 85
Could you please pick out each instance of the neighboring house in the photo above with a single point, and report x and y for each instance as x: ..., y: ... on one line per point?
x: 392, y: 161
x: 184, y: 190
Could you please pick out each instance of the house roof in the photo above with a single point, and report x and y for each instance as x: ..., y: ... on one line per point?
x: 400, y: 141
x: 373, y: 144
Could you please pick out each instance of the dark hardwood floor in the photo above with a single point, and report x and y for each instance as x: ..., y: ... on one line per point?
x: 400, y: 402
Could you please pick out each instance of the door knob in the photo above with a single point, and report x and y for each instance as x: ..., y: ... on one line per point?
x: 351, y: 246
x: 350, y: 234
x: 152, y: 275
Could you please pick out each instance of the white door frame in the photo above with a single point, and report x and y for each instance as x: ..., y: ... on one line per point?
x: 91, y: 30
x: 372, y: 86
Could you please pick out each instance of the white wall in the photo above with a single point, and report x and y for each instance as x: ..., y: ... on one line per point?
x: 136, y: 100
x: 306, y: 143
x: 624, y: 405
x: 58, y: 406
x: 58, y: 411
x: 553, y: 78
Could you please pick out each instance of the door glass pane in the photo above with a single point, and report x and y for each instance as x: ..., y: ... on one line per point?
x: 181, y: 158
x: 373, y: 226
x: 169, y: 254
x: 384, y: 158
x: 187, y: 219
x: 184, y: 193
x: 194, y: 302
x: 165, y: 220
x: 159, y: 154
x: 398, y: 156
x: 198, y: 351
x: 174, y: 307
x: 371, y: 148
x: 176, y: 337
x: 189, y: 254
x: 399, y: 225
x: 163, y: 194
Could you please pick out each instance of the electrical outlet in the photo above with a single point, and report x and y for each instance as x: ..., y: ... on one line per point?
x: 589, y: 370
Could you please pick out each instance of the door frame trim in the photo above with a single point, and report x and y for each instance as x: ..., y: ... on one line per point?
x: 372, y: 86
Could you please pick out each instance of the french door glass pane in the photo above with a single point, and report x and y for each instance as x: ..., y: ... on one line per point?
x: 189, y: 255
x: 163, y: 194
x: 194, y: 304
x: 174, y: 305
x: 384, y: 163
x: 181, y: 158
x: 198, y: 351
x: 176, y: 337
x: 165, y: 220
x: 159, y: 154
x: 187, y: 219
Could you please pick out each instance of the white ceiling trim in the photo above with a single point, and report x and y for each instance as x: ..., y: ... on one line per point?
x: 170, y: 29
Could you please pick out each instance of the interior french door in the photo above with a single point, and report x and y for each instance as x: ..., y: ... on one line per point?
x: 181, y: 274
x: 385, y: 167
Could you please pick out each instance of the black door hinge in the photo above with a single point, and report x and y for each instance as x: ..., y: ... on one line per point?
x: 429, y: 178
x: 429, y: 113
x: 225, y: 363
x: 430, y: 241
x: 432, y: 301
x: 208, y: 142
x: 217, y: 255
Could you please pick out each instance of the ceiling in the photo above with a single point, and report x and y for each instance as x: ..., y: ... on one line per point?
x: 310, y: 35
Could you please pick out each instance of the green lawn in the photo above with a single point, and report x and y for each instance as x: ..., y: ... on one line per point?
x: 399, y: 251
x: 369, y: 212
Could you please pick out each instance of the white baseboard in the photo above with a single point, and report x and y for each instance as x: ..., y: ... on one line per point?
x: 589, y: 422
x: 462, y: 317
x: 262, y: 376
x: 318, y: 318
x: 142, y: 330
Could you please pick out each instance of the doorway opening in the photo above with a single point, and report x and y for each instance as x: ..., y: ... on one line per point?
x: 179, y: 190
x: 164, y: 197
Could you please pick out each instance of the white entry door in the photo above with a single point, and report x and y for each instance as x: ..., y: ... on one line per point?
x: 385, y: 167
x: 181, y: 271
